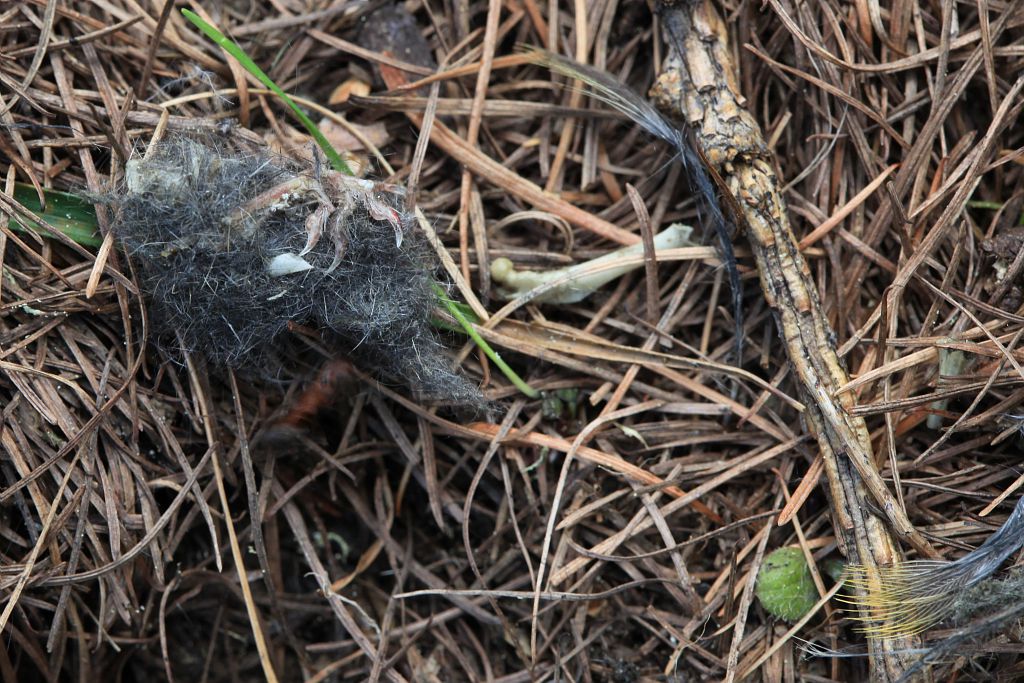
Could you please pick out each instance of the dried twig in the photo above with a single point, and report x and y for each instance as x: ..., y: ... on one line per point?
x: 699, y: 83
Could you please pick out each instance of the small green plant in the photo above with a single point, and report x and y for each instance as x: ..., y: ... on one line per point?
x: 560, y: 404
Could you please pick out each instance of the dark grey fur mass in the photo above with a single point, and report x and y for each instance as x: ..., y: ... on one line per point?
x: 232, y: 246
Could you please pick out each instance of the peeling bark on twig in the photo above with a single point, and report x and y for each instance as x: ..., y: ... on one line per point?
x: 699, y: 84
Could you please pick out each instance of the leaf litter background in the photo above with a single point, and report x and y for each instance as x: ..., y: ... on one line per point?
x: 401, y: 541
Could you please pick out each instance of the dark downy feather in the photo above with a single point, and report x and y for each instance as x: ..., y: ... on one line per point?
x: 641, y: 112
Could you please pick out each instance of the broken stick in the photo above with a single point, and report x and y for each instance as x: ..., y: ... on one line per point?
x: 699, y: 84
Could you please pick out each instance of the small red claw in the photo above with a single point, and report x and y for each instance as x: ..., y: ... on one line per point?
x: 380, y: 211
x: 315, y: 223
x: 340, y: 239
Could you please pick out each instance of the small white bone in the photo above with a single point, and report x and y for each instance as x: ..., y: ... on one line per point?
x: 579, y: 281
x: 287, y: 264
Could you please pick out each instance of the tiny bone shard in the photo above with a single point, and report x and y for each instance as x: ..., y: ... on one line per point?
x: 575, y: 283
x: 234, y: 245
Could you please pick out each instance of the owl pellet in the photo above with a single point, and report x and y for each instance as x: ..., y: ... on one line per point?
x: 232, y: 246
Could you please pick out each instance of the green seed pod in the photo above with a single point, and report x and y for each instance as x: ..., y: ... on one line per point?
x: 784, y: 584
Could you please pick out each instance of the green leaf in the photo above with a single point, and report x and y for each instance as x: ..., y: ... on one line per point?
x: 235, y: 50
x: 68, y: 213
x: 455, y: 309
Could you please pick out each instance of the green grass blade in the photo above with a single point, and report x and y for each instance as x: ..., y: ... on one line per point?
x: 235, y: 50
x: 456, y: 311
x: 68, y: 213
x: 465, y: 309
